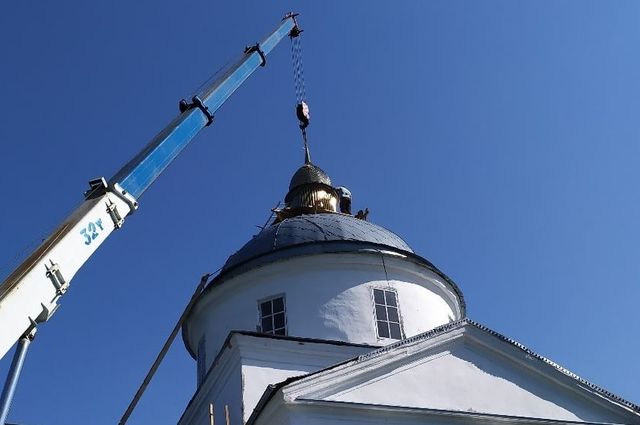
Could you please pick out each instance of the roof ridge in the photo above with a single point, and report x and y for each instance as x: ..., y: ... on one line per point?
x: 567, y: 372
x: 466, y: 321
x: 268, y: 394
x: 423, y: 336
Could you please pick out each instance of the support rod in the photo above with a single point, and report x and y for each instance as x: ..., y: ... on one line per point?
x: 163, y: 351
x: 14, y: 374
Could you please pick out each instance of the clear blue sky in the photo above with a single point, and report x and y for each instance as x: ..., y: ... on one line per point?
x: 499, y: 138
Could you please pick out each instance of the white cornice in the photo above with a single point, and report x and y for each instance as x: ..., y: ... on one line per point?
x: 366, y: 367
x: 341, y: 408
x: 423, y: 348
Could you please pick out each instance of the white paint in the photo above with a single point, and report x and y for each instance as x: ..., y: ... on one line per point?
x: 248, y: 364
x: 463, y: 375
x: 329, y: 296
x: 222, y: 387
x: 33, y: 295
x: 465, y: 370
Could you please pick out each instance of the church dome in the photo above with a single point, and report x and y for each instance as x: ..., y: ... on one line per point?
x: 313, y: 232
x: 309, y: 173
x: 318, y: 273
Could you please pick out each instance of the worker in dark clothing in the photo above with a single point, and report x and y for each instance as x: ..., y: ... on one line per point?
x: 345, y: 199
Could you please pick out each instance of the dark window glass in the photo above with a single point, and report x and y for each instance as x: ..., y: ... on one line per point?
x: 266, y: 324
x: 273, y: 316
x: 383, y: 329
x: 393, y: 314
x: 378, y: 295
x: 391, y: 298
x: 387, y: 314
x: 278, y: 320
x: 395, y: 330
x: 381, y: 312
x: 278, y: 305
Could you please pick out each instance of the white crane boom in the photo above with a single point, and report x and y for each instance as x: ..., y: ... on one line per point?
x: 30, y: 295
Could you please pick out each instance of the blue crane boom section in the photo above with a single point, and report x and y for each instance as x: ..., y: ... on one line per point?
x: 30, y: 294
x: 139, y: 173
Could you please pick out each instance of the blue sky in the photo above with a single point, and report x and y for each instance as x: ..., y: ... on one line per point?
x: 499, y: 138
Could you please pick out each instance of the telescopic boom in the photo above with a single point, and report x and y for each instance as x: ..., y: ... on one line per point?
x: 30, y: 295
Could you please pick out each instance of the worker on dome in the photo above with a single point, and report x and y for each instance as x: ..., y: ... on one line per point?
x: 345, y: 199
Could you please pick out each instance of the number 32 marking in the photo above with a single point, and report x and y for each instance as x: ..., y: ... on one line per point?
x: 92, y: 231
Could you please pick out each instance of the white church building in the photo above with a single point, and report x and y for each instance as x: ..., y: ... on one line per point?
x: 324, y: 317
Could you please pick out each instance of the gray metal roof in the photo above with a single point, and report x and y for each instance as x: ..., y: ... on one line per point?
x: 305, y: 229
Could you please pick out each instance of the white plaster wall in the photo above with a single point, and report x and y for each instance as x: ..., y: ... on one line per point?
x: 258, y: 377
x: 223, y: 387
x: 328, y: 296
x: 272, y: 361
x: 248, y: 364
x: 469, y: 378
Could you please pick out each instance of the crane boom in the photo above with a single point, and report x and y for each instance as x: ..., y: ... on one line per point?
x: 30, y: 294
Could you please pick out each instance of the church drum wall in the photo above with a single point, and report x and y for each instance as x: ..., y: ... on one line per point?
x: 328, y: 296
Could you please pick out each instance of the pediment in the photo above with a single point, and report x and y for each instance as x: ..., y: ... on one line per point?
x: 464, y: 369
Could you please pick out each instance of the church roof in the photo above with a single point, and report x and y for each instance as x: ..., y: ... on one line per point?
x: 326, y: 233
x: 308, y: 229
x: 326, y: 386
x: 468, y: 322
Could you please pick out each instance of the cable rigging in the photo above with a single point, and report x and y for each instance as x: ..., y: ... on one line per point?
x: 302, y: 108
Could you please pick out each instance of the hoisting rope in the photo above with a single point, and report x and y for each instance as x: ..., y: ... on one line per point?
x: 302, y: 109
x: 298, y: 70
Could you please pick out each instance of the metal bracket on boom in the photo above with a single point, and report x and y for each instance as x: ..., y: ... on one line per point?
x: 98, y: 187
x: 295, y: 31
x: 126, y: 197
x: 256, y: 48
x: 112, y: 209
x: 196, y: 102
x: 54, y: 273
x: 30, y: 334
x: 46, y: 312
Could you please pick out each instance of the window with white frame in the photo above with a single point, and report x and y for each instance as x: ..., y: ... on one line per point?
x: 387, y: 314
x: 273, y: 318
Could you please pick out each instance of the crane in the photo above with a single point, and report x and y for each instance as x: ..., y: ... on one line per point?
x: 31, y: 293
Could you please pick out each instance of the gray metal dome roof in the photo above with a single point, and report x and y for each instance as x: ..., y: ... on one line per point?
x: 312, y: 229
x: 309, y: 173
